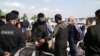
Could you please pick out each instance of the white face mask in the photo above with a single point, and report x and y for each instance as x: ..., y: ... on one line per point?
x: 42, y: 19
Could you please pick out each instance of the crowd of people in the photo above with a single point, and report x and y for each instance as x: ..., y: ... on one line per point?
x: 81, y: 41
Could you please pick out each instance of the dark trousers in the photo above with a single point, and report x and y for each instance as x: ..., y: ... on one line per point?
x: 93, y: 55
x: 60, y: 50
x: 73, y: 51
x: 41, y: 48
x: 90, y: 53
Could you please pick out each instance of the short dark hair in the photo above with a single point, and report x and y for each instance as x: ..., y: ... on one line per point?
x: 97, y: 13
x: 40, y: 15
x: 58, y: 16
x: 11, y: 16
x: 90, y: 19
x: 15, y: 12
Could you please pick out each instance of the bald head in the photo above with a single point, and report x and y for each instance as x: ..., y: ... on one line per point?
x: 70, y: 20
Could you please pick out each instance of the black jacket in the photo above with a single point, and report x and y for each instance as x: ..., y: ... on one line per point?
x: 11, y: 39
x: 1, y: 23
x: 92, y: 40
x: 39, y: 30
x: 61, y: 34
x: 73, y: 34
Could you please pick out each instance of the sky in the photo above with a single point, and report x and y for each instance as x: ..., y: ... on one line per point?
x: 75, y: 8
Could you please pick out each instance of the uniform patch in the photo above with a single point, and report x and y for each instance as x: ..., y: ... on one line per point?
x: 5, y: 32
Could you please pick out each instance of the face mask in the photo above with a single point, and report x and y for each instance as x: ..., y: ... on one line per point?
x: 42, y: 19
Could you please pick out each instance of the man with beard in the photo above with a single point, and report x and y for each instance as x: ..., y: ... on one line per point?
x: 61, y: 35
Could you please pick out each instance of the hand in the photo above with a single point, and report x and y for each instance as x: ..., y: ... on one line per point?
x: 70, y: 23
x: 50, y: 43
x: 7, y: 54
x: 42, y: 40
x: 36, y: 43
x: 39, y: 42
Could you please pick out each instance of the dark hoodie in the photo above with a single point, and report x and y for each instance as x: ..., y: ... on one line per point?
x: 39, y: 30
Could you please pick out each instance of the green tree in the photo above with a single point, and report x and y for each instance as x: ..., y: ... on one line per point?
x: 24, y: 17
x: 34, y: 17
x: 47, y: 18
x: 1, y: 13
